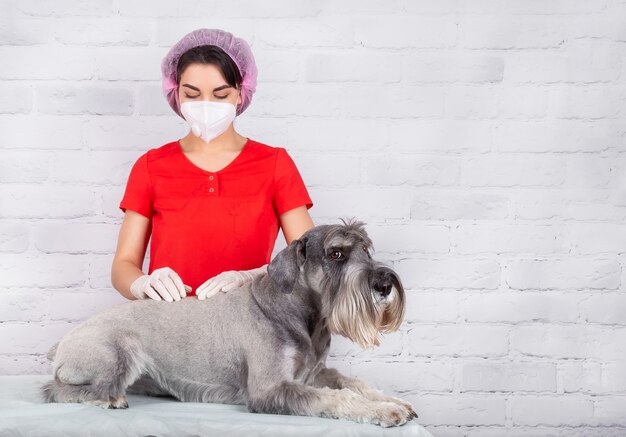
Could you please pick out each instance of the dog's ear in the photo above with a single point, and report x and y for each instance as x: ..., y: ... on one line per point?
x: 285, y: 267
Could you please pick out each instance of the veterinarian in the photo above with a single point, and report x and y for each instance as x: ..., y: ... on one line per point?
x: 213, y: 200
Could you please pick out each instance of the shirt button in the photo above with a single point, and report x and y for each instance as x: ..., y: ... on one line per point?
x: 210, y: 190
x: 210, y: 178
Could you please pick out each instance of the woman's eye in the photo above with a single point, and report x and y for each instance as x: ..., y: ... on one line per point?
x: 222, y: 97
x: 190, y: 97
x: 336, y: 254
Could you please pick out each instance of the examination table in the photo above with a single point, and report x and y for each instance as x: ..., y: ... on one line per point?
x: 23, y: 413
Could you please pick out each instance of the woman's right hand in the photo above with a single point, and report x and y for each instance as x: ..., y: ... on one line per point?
x: 161, y: 284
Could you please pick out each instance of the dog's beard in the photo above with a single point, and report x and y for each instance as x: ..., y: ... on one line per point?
x: 354, y: 314
x: 393, y: 315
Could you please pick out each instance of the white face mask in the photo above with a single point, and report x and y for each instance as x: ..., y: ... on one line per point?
x: 208, y: 119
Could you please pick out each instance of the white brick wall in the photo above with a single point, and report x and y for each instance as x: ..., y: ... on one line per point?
x: 483, y: 142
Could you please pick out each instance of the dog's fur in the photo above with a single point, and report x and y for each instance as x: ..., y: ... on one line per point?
x: 263, y: 345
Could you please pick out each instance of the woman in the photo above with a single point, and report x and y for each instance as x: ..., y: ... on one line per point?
x: 212, y: 201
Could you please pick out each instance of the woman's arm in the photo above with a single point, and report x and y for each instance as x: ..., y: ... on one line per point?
x: 295, y: 222
x: 130, y: 252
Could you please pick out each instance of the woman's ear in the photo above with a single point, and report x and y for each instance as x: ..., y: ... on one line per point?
x: 285, y: 267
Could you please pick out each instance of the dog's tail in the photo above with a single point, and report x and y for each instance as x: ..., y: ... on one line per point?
x: 52, y: 352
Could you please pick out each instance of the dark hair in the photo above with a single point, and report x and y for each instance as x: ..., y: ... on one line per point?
x: 210, y: 54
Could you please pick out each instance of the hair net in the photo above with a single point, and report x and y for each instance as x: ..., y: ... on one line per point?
x: 237, y: 48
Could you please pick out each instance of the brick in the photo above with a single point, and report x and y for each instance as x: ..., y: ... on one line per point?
x: 608, y: 410
x: 76, y: 238
x: 90, y: 99
x: 448, y: 67
x: 449, y: 273
x: 418, y: 376
x: 56, y: 305
x: 519, y: 307
x: 587, y: 102
x: 130, y: 63
x: 514, y: 32
x: 565, y: 204
x: 578, y: 376
x: 31, y: 338
x: 96, y: 167
x: 440, y: 136
x: 113, y: 31
x: 607, y: 308
x: 448, y: 204
x: 586, y: 171
x: 43, y: 271
x: 25, y: 166
x: 16, y: 30
x: 64, y: 63
x: 534, y: 410
x: 392, y: 101
x: 412, y: 237
x: 140, y: 133
x: 410, y: 169
x: 51, y: 132
x: 556, y: 135
x: 562, y: 274
x: 59, y: 8
x: 46, y: 202
x: 455, y: 340
x: 505, y: 170
x: 329, y: 31
x: 518, y: 238
x: 459, y: 409
x: 327, y: 170
x: 579, y: 62
x: 348, y: 66
x: 373, y: 202
x: 508, y: 377
x: 398, y: 31
x: 16, y: 98
x: 14, y: 237
x: 149, y: 100
x: 592, y: 238
x: 439, y: 306
x: 557, y: 341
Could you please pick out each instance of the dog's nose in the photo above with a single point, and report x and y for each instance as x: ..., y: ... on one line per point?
x: 382, y: 284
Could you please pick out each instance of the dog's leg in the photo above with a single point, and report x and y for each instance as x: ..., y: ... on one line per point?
x: 96, y: 374
x: 334, y: 379
x: 187, y: 390
x: 147, y: 386
x: 55, y: 391
x: 289, y: 397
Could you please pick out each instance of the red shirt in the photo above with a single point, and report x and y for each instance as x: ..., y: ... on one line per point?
x: 204, y: 223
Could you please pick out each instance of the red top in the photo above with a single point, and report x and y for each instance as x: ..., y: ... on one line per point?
x: 204, y: 223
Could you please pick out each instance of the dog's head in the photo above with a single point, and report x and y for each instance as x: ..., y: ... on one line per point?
x: 360, y: 296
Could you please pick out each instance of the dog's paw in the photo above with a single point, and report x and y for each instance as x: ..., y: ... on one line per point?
x: 121, y: 403
x: 112, y: 403
x: 99, y: 403
x: 388, y: 414
x: 404, y: 403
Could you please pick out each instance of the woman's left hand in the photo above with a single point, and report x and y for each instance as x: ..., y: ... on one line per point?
x: 227, y: 281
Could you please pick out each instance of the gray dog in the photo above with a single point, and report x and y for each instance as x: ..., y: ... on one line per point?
x: 263, y: 345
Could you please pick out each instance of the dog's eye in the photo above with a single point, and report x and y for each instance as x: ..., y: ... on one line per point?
x: 336, y: 254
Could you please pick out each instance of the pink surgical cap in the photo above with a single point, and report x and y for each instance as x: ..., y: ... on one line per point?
x: 236, y: 48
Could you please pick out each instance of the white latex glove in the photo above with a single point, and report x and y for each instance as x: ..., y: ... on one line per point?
x: 227, y: 281
x: 162, y: 284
